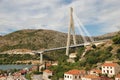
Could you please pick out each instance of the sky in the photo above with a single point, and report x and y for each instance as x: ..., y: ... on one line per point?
x: 97, y: 16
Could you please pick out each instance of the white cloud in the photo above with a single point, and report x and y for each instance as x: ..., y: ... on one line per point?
x: 54, y: 14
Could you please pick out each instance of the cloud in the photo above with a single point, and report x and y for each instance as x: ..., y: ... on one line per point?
x: 54, y: 14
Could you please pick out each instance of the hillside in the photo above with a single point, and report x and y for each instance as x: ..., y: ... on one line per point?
x: 36, y: 39
x: 33, y: 39
x: 93, y: 59
x: 107, y: 35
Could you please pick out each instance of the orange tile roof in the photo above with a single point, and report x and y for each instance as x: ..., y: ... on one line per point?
x: 91, y: 76
x: 110, y: 64
x: 96, y: 70
x: 48, y: 64
x: 48, y: 71
x: 118, y: 76
x: 105, y: 78
x: 75, y: 72
x: 2, y: 76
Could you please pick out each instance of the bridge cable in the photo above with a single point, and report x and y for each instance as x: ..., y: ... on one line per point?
x: 82, y: 26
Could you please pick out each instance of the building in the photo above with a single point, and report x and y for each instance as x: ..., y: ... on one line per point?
x: 117, y: 77
x: 2, y: 78
x: 72, y: 57
x: 105, y: 78
x: 19, y: 51
x: 47, y: 74
x: 110, y: 68
x: 91, y: 77
x: 47, y: 65
x: 74, y: 74
x: 34, y: 68
x: 95, y: 72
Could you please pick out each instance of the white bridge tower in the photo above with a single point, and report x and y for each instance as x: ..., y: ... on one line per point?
x: 71, y: 29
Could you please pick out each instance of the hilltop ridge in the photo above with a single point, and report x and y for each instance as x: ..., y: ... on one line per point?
x: 36, y: 39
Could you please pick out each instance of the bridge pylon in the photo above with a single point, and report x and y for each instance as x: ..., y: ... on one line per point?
x: 71, y: 29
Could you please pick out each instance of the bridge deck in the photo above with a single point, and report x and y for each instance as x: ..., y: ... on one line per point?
x: 73, y: 46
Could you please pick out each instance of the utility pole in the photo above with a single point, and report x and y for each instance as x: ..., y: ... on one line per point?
x: 71, y: 29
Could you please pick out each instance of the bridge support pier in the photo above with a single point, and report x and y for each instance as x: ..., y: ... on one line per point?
x: 41, y: 58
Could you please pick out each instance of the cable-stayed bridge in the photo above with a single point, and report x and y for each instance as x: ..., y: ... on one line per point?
x: 71, y: 31
x: 41, y: 52
x: 72, y: 46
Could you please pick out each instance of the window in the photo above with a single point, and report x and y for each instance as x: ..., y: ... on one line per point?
x: 111, y: 71
x: 65, y: 76
x: 104, y: 71
x: 75, y: 77
x: 79, y: 77
x: 110, y: 67
x: 94, y: 72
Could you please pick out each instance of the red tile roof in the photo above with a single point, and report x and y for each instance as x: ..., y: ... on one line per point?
x: 2, y: 76
x: 48, y: 71
x: 110, y: 64
x: 105, y: 78
x: 118, y: 76
x: 92, y: 76
x: 48, y: 64
x: 75, y: 72
x: 96, y: 70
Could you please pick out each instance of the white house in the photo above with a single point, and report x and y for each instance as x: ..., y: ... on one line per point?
x: 74, y: 74
x: 72, y: 57
x: 117, y: 77
x: 47, y: 74
x: 110, y: 68
x: 91, y: 77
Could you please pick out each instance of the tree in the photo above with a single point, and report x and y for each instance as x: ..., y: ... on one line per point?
x: 93, y: 46
x: 118, y: 50
x: 116, y: 39
x: 109, y: 48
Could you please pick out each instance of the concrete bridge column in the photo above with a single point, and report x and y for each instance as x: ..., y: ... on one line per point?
x: 41, y: 58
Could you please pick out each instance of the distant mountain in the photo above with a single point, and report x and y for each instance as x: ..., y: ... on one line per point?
x: 37, y: 39
x: 106, y: 36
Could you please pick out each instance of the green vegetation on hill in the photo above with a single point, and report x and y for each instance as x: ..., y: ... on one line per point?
x: 13, y: 58
x: 92, y: 59
x: 116, y: 39
x: 19, y: 46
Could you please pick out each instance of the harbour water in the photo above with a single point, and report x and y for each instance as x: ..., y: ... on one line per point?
x: 7, y: 67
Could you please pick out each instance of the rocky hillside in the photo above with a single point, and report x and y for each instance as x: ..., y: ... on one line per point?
x: 35, y: 39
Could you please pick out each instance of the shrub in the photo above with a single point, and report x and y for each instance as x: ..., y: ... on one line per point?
x: 118, y: 50
x: 109, y: 48
x: 116, y: 39
x: 93, y: 46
